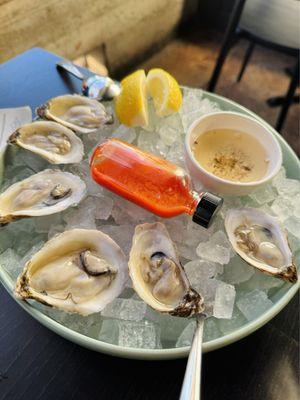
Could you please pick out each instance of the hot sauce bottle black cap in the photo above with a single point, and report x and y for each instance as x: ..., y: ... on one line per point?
x: 206, y: 209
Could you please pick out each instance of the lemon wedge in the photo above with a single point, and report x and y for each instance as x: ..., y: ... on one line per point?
x: 131, y: 104
x: 165, y: 92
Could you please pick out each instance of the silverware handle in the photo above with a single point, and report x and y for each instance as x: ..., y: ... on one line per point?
x: 71, y: 68
x: 192, y: 379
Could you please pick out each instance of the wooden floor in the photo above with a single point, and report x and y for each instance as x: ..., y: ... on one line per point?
x: 191, y: 59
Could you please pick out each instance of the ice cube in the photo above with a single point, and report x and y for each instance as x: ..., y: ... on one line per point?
x: 253, y: 304
x: 279, y: 177
x: 229, y: 203
x: 102, y: 207
x: 125, y: 212
x: 198, y: 270
x: 294, y: 243
x: 214, y: 253
x: 6, y: 239
x: 283, y: 208
x: 216, y: 249
x: 15, y: 174
x: 224, y: 300
x: 124, y: 133
x: 127, y: 309
x: 75, y: 322
x: 55, y: 230
x: 191, y: 101
x: 43, y: 223
x: 151, y: 143
x: 198, y: 185
x: 11, y: 262
x: 169, y: 135
x: 186, y: 337
x: 211, y: 330
x: 207, y: 288
x: 25, y: 243
x: 171, y: 327
x: 187, y: 252
x: 175, y: 153
x: 109, y: 331
x: 83, y: 171
x: 207, y: 106
x: 80, y: 217
x: 121, y: 234
x: 296, y: 206
x: 288, y: 188
x: 31, y: 252
x: 138, y: 335
x: 263, y: 195
x: 195, y: 109
x: 235, y: 322
x: 31, y: 160
x: 237, y: 271
x: 292, y: 224
x: 187, y: 238
x: 176, y: 228
x: 261, y: 281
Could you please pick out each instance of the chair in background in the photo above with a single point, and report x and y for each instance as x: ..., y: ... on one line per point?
x: 273, y: 24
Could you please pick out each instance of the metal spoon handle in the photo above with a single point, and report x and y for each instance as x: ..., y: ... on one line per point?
x: 192, y: 379
x: 68, y: 66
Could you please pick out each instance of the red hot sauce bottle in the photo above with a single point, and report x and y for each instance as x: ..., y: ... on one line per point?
x: 150, y: 182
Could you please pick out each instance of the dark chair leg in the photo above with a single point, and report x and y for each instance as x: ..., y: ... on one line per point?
x: 227, y: 42
x: 288, y: 98
x: 277, y: 101
x: 247, y: 57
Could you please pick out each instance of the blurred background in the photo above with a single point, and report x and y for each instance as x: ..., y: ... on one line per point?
x: 247, y: 50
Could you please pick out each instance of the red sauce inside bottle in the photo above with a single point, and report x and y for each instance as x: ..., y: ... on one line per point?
x: 149, y: 181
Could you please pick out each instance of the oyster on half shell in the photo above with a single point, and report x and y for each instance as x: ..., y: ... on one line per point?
x: 79, y: 271
x: 50, y: 140
x: 157, y: 275
x: 260, y: 240
x: 79, y: 113
x: 44, y: 193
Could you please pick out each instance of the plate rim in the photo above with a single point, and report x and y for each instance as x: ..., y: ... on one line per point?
x: 172, y: 353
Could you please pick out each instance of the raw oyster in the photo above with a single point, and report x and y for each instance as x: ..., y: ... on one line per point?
x: 50, y: 140
x: 44, y: 193
x: 260, y: 240
x: 79, y: 271
x: 157, y: 275
x: 79, y: 113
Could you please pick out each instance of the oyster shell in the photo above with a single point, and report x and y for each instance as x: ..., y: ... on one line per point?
x: 44, y: 193
x: 260, y: 240
x: 79, y: 113
x: 157, y: 275
x: 79, y: 271
x: 50, y: 140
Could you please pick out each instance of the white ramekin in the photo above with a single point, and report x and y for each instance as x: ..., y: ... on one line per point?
x: 242, y: 123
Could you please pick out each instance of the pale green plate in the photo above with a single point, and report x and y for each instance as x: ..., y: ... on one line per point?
x: 280, y: 299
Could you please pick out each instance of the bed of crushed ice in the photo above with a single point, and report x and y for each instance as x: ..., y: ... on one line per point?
x: 234, y: 292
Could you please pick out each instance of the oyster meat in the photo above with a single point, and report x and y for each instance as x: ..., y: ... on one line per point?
x: 79, y: 113
x: 44, y: 193
x: 157, y: 275
x: 50, y: 140
x: 79, y: 271
x: 260, y: 240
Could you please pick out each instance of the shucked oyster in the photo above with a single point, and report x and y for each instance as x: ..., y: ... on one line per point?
x: 259, y: 239
x: 79, y: 271
x: 44, y: 193
x: 50, y: 140
x: 157, y: 275
x: 79, y: 113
